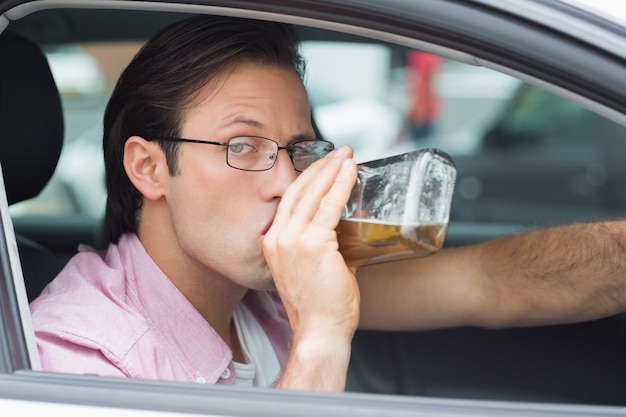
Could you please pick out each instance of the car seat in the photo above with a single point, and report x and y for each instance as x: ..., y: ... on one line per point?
x: 31, y: 138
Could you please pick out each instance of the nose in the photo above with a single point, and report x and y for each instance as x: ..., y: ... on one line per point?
x: 280, y: 176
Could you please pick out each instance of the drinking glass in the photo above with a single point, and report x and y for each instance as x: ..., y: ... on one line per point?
x: 399, y: 208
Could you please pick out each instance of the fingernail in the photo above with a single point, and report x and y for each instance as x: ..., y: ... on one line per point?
x: 341, y: 151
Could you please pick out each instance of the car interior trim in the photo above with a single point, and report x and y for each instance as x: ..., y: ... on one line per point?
x: 21, y: 350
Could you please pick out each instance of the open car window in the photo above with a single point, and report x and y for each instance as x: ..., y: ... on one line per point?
x: 525, y: 157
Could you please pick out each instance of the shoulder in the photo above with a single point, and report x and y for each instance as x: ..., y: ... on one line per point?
x: 84, y: 316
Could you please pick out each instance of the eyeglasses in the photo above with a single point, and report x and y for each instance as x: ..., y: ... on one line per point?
x: 255, y: 153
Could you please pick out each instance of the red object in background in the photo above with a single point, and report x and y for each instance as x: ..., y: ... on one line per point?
x: 423, y: 102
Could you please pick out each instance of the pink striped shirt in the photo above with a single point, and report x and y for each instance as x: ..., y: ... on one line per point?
x: 119, y: 315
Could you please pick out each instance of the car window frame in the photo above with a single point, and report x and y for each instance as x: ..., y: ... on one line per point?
x: 17, y: 379
x: 16, y: 333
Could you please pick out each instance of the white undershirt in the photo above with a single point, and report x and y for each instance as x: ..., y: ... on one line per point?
x: 262, y: 368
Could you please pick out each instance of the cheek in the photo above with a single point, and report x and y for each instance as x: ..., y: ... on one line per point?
x: 213, y: 200
x: 210, y: 221
x: 203, y: 179
x: 208, y: 192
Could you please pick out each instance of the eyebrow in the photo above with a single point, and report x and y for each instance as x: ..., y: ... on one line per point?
x: 245, y: 121
x: 301, y: 137
x: 258, y: 125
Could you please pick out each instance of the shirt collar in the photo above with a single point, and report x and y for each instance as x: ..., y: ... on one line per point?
x: 182, y: 329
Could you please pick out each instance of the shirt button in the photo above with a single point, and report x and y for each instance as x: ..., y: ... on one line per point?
x: 201, y: 380
x: 226, y: 373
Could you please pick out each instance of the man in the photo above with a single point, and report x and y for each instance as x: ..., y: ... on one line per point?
x: 223, y: 264
x: 188, y: 221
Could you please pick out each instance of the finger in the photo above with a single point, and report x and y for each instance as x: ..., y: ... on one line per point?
x: 319, y: 176
x: 333, y: 203
x: 302, y: 199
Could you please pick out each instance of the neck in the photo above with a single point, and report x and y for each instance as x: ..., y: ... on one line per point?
x: 212, y: 294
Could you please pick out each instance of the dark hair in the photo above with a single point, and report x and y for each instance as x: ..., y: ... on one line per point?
x: 152, y: 92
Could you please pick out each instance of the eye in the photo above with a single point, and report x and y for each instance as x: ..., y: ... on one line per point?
x: 240, y: 147
x: 299, y: 151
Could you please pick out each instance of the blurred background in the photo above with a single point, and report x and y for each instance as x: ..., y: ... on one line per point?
x: 517, y: 147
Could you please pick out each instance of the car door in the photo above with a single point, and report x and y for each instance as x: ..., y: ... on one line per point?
x: 432, y: 373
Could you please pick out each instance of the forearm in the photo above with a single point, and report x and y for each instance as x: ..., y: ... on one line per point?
x: 561, y: 274
x: 420, y: 294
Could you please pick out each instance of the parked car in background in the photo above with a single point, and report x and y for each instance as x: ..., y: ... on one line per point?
x: 543, y: 161
x: 533, y: 111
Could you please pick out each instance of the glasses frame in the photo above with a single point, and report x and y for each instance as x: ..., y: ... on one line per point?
x: 290, y: 149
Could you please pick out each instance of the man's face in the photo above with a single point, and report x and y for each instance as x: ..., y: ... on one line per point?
x: 220, y: 214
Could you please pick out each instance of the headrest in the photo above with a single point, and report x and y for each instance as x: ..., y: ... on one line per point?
x: 31, y: 118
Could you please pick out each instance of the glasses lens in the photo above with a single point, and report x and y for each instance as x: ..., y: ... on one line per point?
x: 304, y: 153
x: 251, y: 153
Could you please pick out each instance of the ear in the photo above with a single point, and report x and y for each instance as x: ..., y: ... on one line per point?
x: 145, y: 165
